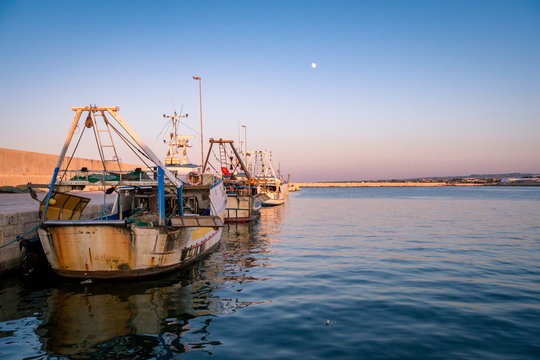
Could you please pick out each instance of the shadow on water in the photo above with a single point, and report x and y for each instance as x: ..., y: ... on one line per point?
x: 43, y: 315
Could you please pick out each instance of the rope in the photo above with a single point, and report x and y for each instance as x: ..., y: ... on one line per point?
x: 20, y: 237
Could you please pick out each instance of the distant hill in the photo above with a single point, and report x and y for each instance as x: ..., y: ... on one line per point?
x: 495, y: 177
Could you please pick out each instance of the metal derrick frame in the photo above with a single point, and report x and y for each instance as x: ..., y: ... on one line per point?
x: 231, y: 143
x: 113, y: 111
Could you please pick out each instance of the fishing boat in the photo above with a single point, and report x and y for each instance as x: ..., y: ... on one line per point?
x: 244, y: 196
x: 290, y: 186
x: 294, y: 187
x: 160, y: 220
x: 270, y: 182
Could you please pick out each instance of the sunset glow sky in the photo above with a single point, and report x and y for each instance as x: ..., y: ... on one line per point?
x: 401, y: 88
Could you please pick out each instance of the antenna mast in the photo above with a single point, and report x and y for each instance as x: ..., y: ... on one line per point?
x: 178, y: 144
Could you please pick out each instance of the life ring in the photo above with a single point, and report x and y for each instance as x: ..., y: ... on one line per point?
x: 196, y: 175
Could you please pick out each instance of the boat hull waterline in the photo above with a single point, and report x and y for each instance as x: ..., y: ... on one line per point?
x: 110, y: 251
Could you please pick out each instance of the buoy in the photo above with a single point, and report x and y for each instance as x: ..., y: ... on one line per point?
x: 194, y: 178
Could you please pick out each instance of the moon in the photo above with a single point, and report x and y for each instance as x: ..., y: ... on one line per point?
x: 313, y: 65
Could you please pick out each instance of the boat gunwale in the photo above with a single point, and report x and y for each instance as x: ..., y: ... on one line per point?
x: 202, y: 187
x: 84, y: 222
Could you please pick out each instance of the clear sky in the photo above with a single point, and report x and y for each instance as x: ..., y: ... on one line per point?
x: 401, y: 88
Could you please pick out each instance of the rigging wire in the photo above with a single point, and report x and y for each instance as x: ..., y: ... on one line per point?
x: 218, y: 161
x: 186, y: 125
x: 73, y: 153
x: 212, y: 166
x: 134, y: 148
x: 100, y: 150
x: 163, y: 130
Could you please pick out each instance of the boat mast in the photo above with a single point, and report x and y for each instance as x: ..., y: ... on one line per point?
x: 269, y: 165
x: 245, y: 143
x: 176, y: 142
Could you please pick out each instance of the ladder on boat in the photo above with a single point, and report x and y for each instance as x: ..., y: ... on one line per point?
x: 222, y: 156
x: 105, y: 142
x: 223, y: 159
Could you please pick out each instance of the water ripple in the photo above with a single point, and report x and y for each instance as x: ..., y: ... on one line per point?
x: 375, y: 273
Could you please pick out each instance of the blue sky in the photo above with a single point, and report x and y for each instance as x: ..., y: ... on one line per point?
x: 402, y: 88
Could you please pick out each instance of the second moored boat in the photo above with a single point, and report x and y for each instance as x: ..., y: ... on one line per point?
x: 244, y: 195
x: 271, y: 183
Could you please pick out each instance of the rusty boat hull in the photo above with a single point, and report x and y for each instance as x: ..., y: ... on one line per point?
x: 135, y: 246
x: 123, y: 250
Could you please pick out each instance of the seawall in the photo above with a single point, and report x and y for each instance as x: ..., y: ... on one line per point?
x: 19, y: 167
x: 19, y: 212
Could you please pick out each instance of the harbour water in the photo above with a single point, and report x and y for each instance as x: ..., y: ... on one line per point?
x: 339, y: 273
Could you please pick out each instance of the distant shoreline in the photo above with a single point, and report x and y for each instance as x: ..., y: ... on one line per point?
x: 384, y: 184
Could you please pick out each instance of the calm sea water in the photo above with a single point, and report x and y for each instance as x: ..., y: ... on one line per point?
x: 372, y: 273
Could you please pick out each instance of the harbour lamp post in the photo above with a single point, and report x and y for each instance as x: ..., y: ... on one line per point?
x: 200, y: 104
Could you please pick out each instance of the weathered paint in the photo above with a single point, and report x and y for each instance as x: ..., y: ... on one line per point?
x: 116, y: 249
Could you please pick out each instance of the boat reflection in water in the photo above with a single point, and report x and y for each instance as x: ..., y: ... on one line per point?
x: 45, y: 315
x: 156, y: 317
x: 115, y: 319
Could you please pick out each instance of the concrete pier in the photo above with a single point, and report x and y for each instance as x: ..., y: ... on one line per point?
x: 19, y: 214
x: 19, y: 167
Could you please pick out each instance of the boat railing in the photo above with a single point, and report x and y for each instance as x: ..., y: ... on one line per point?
x: 232, y: 213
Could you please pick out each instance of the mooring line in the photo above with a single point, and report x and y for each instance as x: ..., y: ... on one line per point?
x: 20, y: 237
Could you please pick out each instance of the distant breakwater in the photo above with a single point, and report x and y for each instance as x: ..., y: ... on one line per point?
x: 380, y: 184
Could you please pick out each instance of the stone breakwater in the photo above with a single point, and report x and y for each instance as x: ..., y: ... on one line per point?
x: 20, y: 167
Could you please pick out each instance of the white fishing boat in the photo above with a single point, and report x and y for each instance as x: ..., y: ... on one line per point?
x: 244, y: 196
x: 290, y: 186
x: 160, y: 221
x: 271, y: 183
x: 294, y: 187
